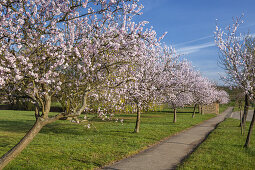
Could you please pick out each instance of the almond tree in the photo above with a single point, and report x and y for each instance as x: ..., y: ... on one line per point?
x: 178, y: 85
x: 245, y: 114
x: 65, y: 49
x: 221, y: 97
x: 206, y: 93
x: 200, y: 90
x: 237, y: 58
x: 185, y: 86
x: 143, y: 90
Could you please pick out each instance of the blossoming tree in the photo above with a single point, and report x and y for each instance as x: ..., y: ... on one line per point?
x: 143, y: 90
x: 237, y: 57
x: 67, y: 49
x: 180, y: 83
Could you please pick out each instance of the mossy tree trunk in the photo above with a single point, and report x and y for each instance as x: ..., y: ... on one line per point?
x: 41, y: 120
x: 138, y: 119
x: 194, y: 111
x: 11, y: 154
x: 201, y: 107
x: 241, y: 123
x: 247, y: 142
x: 246, y: 109
x: 175, y: 115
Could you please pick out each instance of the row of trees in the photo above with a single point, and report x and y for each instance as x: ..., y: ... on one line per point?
x: 82, y: 52
x: 238, y: 59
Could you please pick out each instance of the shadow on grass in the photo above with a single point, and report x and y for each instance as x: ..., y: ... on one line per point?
x: 5, y: 142
x: 87, y: 162
x: 16, y: 126
x: 158, y: 123
x: 122, y: 131
x: 125, y: 115
x: 62, y: 127
x: 24, y: 126
x: 126, y: 135
x: 250, y: 151
x: 178, y: 112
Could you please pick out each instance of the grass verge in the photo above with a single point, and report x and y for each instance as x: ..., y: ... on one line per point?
x: 65, y: 145
x: 224, y: 107
x: 223, y: 149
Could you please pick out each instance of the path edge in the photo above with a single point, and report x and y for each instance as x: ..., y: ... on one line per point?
x: 204, y: 139
x: 146, y: 148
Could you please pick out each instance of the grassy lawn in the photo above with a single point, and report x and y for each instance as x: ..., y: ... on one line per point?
x: 223, y: 107
x: 236, y: 108
x: 223, y: 150
x: 65, y: 145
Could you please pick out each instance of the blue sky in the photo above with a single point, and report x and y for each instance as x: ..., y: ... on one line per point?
x: 191, y: 24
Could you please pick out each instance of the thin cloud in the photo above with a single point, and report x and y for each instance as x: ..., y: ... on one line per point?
x: 194, y: 48
x: 191, y: 41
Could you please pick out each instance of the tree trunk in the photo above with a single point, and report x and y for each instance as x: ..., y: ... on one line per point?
x: 201, y: 110
x: 11, y: 154
x: 241, y: 123
x: 246, y: 109
x: 194, y: 111
x: 175, y: 116
x: 138, y: 120
x: 247, y: 143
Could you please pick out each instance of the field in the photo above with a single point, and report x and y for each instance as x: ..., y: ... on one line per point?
x: 223, y: 150
x: 66, y: 145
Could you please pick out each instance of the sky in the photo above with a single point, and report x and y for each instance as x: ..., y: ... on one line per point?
x: 191, y: 25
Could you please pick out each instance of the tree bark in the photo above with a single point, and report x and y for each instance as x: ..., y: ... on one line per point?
x: 201, y: 110
x: 175, y: 116
x: 241, y: 123
x: 11, y: 154
x: 194, y: 111
x: 247, y: 142
x: 138, y: 120
x: 246, y: 109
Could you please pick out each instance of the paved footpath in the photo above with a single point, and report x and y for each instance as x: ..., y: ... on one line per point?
x: 172, y: 151
x: 236, y: 115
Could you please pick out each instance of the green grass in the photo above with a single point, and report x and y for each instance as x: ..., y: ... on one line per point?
x: 65, y: 145
x: 223, y: 150
x: 234, y: 105
x: 236, y: 108
x: 223, y: 107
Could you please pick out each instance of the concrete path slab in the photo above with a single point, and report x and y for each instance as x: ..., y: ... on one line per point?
x: 236, y: 115
x: 169, y: 153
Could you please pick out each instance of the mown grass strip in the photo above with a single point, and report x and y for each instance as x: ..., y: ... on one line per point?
x: 65, y: 145
x: 223, y: 149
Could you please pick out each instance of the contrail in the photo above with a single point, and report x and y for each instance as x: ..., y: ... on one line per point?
x: 187, y: 42
x: 209, y: 36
